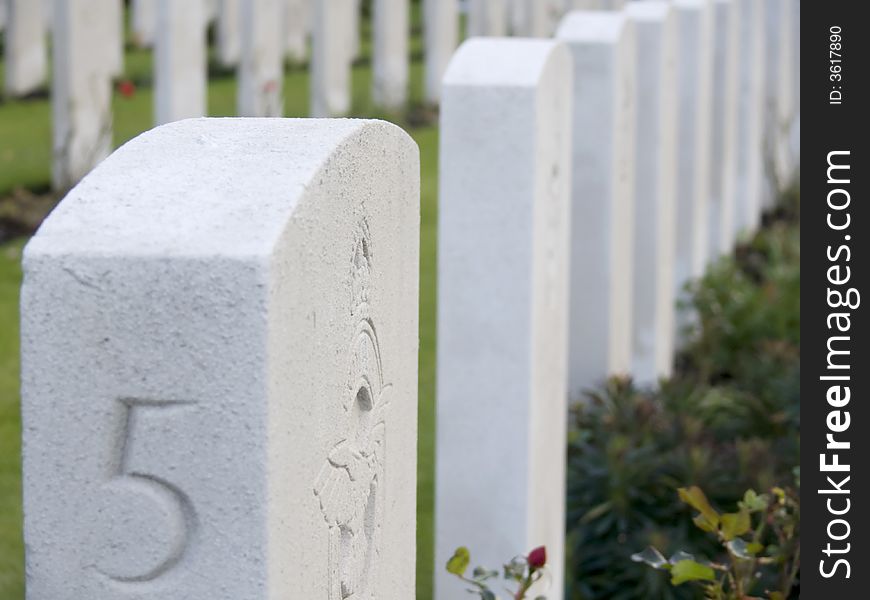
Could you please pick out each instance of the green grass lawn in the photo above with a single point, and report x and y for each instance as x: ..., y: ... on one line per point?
x: 25, y: 151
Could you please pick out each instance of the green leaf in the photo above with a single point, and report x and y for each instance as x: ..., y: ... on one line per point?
x: 516, y: 569
x: 735, y: 524
x: 487, y: 595
x: 650, y: 556
x: 753, y: 502
x: 740, y: 548
x: 680, y: 555
x: 458, y: 563
x: 703, y: 523
x: 694, y: 497
x: 481, y: 573
x: 689, y: 570
x: 754, y: 548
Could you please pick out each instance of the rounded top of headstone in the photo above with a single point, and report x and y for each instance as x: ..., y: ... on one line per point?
x: 592, y: 26
x: 503, y: 62
x: 649, y: 10
x: 205, y: 186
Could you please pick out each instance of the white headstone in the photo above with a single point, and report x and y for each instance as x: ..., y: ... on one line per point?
x: 795, y: 133
x: 695, y: 88
x: 261, y: 63
x: 726, y: 39
x: 441, y: 34
x: 81, y: 94
x: 749, y: 163
x: 296, y: 22
x: 180, y: 63
x: 229, y: 32
x: 144, y: 21
x: 24, y: 46
x: 219, y: 368
x: 655, y: 187
x: 114, y: 22
x: 390, y: 58
x: 529, y: 18
x: 778, y: 96
x: 487, y: 18
x: 330, y: 59
x: 603, y: 196
x: 502, y: 306
x: 787, y: 92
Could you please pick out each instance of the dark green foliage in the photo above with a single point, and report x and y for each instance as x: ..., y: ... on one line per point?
x: 727, y: 421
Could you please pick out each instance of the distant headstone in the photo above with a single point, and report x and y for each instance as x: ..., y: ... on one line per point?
x: 144, y: 21
x: 441, y: 34
x: 219, y: 368
x: 602, y: 201
x: 504, y: 228
x: 114, y: 22
x: 695, y: 89
x: 748, y: 130
x: 229, y: 32
x: 795, y: 132
x: 529, y: 18
x: 24, y: 47
x: 778, y: 100
x: 726, y: 39
x: 655, y: 187
x: 261, y: 63
x: 297, y: 19
x: 81, y: 94
x: 180, y: 63
x: 390, y: 60
x: 487, y: 18
x: 330, y: 59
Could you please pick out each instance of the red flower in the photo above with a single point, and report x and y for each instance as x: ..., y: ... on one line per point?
x: 126, y: 88
x: 537, y: 558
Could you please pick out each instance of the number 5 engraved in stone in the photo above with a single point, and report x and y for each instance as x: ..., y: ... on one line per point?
x: 146, y: 521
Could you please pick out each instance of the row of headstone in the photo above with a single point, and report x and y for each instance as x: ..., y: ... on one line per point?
x: 584, y: 181
x: 190, y: 297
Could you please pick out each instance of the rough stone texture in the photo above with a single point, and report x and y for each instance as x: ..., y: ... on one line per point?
x: 502, y: 307
x: 24, y: 47
x: 180, y: 62
x: 297, y: 17
x: 391, y: 29
x: 748, y: 142
x: 487, y: 18
x: 261, y: 63
x: 144, y: 21
x: 441, y: 31
x: 228, y: 33
x: 81, y: 97
x: 219, y: 368
x: 726, y: 37
x: 330, y: 59
x: 603, y: 196
x: 654, y: 202
x: 695, y: 85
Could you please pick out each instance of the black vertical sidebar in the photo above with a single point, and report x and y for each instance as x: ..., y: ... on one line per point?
x: 835, y: 370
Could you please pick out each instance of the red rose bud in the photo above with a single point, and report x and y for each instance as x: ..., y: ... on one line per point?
x: 538, y: 557
x: 127, y: 88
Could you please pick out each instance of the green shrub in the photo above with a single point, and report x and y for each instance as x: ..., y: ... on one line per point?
x: 727, y: 421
